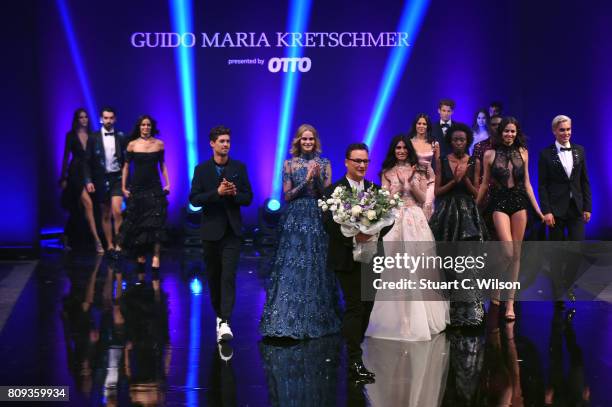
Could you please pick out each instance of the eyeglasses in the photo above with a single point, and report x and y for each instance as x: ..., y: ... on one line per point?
x: 359, y: 161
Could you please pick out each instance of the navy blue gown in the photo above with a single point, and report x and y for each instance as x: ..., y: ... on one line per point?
x: 302, y: 299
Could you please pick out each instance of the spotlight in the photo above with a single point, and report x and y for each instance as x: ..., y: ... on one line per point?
x: 195, y: 286
x: 269, y: 215
x: 272, y: 205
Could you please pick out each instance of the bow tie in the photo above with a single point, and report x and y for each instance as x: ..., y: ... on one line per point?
x: 112, y: 133
x: 445, y: 125
x: 565, y: 149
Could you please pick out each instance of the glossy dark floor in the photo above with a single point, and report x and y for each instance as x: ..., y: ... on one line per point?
x: 117, y: 342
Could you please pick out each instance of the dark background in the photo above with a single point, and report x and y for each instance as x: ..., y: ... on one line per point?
x: 539, y: 58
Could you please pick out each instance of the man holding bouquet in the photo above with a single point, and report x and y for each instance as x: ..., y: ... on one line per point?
x: 341, y: 259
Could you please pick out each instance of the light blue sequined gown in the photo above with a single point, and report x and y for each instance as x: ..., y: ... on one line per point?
x: 302, y: 299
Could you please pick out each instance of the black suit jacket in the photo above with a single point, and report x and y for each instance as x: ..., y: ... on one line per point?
x: 218, y: 211
x: 96, y: 159
x: 340, y: 254
x: 438, y: 135
x: 554, y: 186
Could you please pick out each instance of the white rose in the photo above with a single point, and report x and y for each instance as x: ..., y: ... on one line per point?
x: 333, y: 208
x: 324, y: 207
x: 371, y: 214
x: 356, y: 210
x: 392, y: 202
x: 330, y: 201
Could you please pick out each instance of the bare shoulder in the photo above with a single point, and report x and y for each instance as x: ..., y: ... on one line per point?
x: 489, y: 155
x: 130, y: 146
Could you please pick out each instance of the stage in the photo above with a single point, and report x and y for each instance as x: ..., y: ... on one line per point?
x: 73, y: 320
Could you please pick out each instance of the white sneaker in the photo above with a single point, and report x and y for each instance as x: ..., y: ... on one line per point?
x: 225, y: 351
x: 224, y: 333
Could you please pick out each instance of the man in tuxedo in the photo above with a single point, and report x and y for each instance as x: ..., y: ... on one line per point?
x: 221, y: 186
x: 565, y: 192
x: 106, y: 156
x: 439, y: 128
x: 340, y: 259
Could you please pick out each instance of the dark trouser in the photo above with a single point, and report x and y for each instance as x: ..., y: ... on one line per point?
x: 221, y: 259
x: 567, y: 228
x: 356, y: 312
x: 572, y: 222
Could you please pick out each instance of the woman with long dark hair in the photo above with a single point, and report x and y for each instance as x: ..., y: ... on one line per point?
x: 72, y: 181
x: 506, y: 165
x: 407, y: 319
x: 428, y: 152
x: 143, y: 228
x: 481, y: 128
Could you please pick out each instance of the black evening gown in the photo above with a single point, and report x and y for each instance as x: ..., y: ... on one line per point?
x: 145, y: 214
x: 455, y: 219
x: 73, y: 172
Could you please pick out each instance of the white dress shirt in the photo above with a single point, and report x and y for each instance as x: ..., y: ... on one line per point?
x: 359, y: 186
x: 112, y: 165
x: 566, y: 158
x: 444, y: 129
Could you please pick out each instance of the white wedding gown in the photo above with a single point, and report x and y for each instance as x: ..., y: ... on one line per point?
x: 414, y: 319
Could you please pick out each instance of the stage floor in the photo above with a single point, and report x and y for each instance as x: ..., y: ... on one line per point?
x: 70, y: 325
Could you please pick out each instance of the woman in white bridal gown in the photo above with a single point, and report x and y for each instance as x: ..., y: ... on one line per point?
x: 415, y: 315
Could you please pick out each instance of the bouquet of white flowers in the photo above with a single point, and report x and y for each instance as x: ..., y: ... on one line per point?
x: 366, y: 212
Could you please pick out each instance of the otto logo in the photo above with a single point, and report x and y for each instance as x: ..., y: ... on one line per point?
x: 289, y: 64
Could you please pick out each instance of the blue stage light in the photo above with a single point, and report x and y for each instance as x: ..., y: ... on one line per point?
x: 299, y: 12
x: 272, y: 205
x: 78, y: 62
x: 410, y: 22
x: 53, y: 230
x: 195, y: 338
x: 196, y: 286
x: 182, y: 22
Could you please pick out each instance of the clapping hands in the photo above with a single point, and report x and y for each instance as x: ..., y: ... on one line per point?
x: 314, y: 169
x: 227, y: 188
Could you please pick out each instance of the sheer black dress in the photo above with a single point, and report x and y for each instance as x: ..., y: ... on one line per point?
x: 508, y: 175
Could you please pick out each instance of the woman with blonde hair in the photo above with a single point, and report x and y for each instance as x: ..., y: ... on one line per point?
x: 301, y: 295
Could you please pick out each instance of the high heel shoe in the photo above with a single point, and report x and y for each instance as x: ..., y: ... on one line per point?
x: 99, y: 248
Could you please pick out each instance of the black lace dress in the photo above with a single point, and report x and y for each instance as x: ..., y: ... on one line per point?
x: 508, y: 175
x: 145, y: 214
